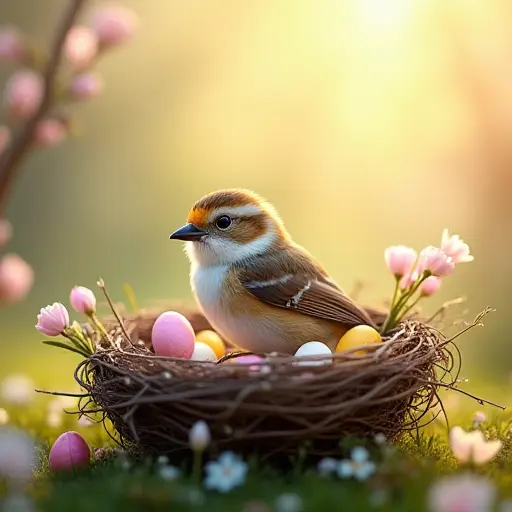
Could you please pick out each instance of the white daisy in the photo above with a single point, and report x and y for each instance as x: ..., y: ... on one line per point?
x: 169, y: 472
x: 227, y: 472
x: 358, y: 466
x: 289, y: 502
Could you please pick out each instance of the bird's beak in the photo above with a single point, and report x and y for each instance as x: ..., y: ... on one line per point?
x: 188, y: 232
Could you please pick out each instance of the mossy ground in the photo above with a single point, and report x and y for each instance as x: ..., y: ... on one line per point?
x: 405, y: 472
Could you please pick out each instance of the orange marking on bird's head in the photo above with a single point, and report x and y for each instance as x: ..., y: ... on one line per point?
x: 198, y: 216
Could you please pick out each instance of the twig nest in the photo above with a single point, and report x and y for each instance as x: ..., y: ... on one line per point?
x: 267, y: 403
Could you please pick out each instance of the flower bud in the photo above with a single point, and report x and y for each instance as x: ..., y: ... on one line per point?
x: 53, y: 320
x: 83, y: 300
x: 12, y: 47
x: 85, y: 86
x: 16, y: 279
x: 23, y: 93
x: 199, y: 436
x: 50, y: 133
x: 430, y: 286
x: 114, y: 25
x: 80, y: 47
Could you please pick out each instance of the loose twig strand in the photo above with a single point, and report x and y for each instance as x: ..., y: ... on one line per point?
x: 152, y: 402
x: 11, y: 158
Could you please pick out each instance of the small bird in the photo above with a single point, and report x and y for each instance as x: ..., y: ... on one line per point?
x: 260, y: 290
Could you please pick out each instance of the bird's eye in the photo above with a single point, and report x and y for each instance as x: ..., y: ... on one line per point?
x: 223, y: 222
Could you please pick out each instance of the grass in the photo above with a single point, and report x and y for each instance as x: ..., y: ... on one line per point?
x: 405, y: 472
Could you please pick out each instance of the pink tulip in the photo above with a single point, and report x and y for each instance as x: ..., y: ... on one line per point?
x: 69, y: 451
x: 462, y: 493
x: 430, y: 286
x: 435, y: 261
x: 5, y: 232
x: 400, y: 259
x: 85, y: 86
x: 83, y: 300
x: 50, y: 133
x: 52, y: 320
x: 81, y: 47
x: 23, y: 93
x: 12, y: 47
x: 455, y: 247
x: 5, y: 138
x: 16, y: 279
x: 114, y: 25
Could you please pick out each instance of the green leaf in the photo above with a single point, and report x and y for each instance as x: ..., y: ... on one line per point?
x: 59, y: 344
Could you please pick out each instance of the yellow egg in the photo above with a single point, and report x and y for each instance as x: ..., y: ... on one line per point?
x: 213, y: 340
x: 357, y: 336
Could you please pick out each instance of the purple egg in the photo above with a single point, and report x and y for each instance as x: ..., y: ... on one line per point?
x: 70, y: 450
x: 173, y: 336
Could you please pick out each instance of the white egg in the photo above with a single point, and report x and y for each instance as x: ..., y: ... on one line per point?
x: 203, y: 352
x: 314, y: 348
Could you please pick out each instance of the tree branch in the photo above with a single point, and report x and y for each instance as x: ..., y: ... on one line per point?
x: 11, y: 158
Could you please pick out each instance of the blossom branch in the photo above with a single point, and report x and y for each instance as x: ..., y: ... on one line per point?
x: 11, y: 158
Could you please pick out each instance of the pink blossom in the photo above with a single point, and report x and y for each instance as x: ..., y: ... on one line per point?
x: 52, y: 320
x: 5, y: 138
x: 472, y: 446
x: 478, y: 418
x: 5, y: 232
x: 23, y: 93
x: 462, y: 493
x: 114, y: 25
x: 49, y: 133
x: 83, y: 300
x: 86, y: 86
x: 430, y: 286
x: 435, y: 261
x: 408, y: 280
x: 400, y: 259
x: 81, y: 47
x: 12, y: 47
x: 455, y: 247
x: 16, y: 279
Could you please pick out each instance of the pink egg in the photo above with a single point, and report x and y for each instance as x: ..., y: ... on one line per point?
x: 70, y: 450
x: 173, y: 336
x: 246, y: 359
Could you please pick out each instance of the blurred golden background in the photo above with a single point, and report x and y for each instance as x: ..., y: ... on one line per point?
x: 366, y: 122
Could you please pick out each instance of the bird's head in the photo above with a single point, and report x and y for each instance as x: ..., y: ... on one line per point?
x: 229, y: 226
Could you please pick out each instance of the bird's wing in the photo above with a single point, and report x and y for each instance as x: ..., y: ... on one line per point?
x: 309, y: 292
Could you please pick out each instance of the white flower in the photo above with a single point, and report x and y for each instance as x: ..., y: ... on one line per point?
x: 18, y: 389
x: 472, y: 446
x: 227, y: 472
x: 169, y: 472
x: 17, y: 455
x: 380, y: 439
x: 84, y: 421
x: 358, y: 466
x: 4, y: 417
x: 54, y: 419
x: 462, y: 493
x: 199, y: 436
x: 163, y: 460
x: 327, y: 466
x: 289, y: 502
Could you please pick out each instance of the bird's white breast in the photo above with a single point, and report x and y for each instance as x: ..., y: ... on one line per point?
x: 242, y: 330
